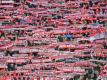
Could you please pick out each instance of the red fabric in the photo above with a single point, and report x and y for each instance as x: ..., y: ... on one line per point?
x: 38, y: 78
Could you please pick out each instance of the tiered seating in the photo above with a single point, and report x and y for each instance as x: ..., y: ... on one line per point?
x: 53, y: 39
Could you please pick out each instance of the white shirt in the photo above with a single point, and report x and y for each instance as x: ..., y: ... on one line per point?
x: 100, y: 78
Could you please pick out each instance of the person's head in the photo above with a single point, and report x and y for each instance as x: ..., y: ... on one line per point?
x: 7, y: 74
x: 71, y: 33
x: 22, y: 74
x: 71, y: 79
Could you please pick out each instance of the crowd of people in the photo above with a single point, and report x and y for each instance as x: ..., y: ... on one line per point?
x: 53, y: 40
